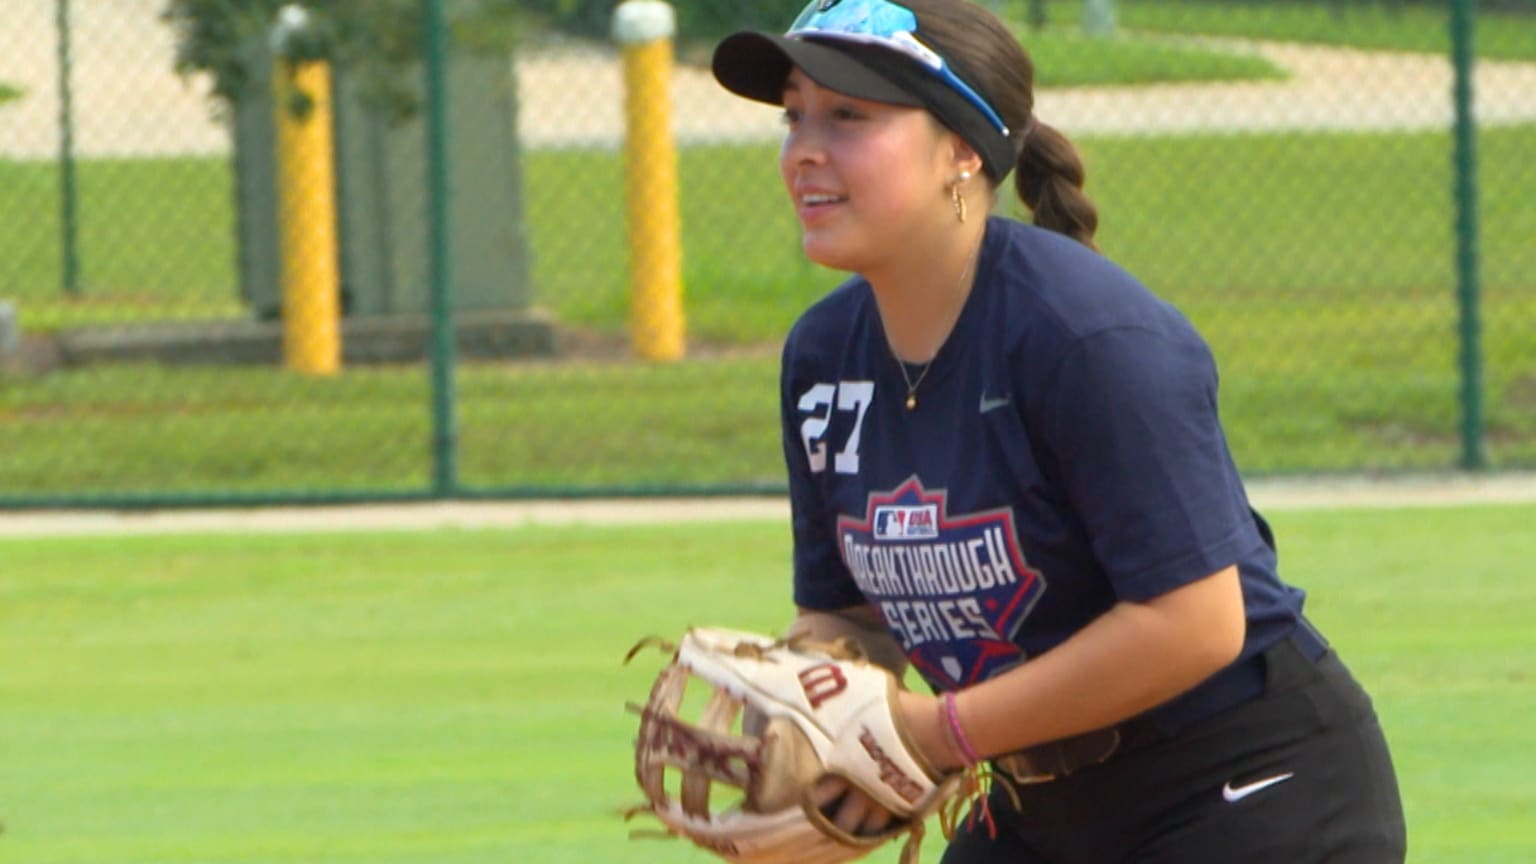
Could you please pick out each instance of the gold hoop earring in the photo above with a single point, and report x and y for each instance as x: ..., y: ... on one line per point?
x: 957, y: 197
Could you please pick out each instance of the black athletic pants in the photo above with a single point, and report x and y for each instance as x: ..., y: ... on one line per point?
x: 1212, y: 794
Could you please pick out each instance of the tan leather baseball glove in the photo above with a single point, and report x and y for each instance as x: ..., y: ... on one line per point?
x: 746, y: 793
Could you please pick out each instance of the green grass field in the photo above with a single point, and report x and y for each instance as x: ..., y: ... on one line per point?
x: 457, y: 695
x: 252, y: 430
x: 144, y: 430
x: 1385, y: 24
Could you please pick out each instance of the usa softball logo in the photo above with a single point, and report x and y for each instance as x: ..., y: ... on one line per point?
x: 906, y: 523
x: 954, y: 590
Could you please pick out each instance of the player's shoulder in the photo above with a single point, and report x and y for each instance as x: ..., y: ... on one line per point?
x: 1061, y: 286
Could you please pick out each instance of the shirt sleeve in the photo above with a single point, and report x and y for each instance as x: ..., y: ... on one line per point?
x: 1132, y: 420
x: 821, y: 579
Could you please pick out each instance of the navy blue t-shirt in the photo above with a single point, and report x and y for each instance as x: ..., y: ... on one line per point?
x: 1065, y: 454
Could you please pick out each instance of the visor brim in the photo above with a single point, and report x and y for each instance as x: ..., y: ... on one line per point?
x: 756, y: 65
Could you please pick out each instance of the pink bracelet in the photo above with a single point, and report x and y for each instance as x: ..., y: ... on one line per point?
x: 966, y: 751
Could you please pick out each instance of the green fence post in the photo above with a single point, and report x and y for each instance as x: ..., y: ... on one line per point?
x: 67, y: 223
x: 445, y: 480
x: 1473, y: 453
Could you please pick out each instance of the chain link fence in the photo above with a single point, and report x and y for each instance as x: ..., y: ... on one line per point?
x: 1288, y: 174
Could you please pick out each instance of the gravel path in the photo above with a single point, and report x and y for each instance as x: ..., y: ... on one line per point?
x: 127, y: 99
x: 1267, y: 495
x: 129, y: 102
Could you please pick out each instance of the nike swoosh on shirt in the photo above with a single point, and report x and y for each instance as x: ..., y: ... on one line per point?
x: 990, y: 404
x: 1233, y: 794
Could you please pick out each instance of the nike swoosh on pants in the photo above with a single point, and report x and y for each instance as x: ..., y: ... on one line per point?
x: 1233, y: 794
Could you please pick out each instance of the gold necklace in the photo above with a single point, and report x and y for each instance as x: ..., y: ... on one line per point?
x: 902, y: 364
x: 912, y: 385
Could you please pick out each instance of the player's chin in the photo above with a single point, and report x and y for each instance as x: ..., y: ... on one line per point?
x: 829, y: 249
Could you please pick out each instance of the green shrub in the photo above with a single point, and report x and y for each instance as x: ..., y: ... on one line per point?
x: 374, y: 40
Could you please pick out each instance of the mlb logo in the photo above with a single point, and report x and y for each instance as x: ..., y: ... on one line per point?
x: 906, y: 523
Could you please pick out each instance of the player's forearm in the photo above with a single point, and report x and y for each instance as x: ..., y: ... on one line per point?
x: 1134, y: 657
x: 861, y: 624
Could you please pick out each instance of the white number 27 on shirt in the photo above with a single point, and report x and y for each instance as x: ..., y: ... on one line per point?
x: 853, y: 396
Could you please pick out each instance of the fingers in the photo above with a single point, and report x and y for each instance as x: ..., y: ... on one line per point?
x: 828, y: 789
x: 876, y: 818
x: 753, y: 721
x: 850, y: 809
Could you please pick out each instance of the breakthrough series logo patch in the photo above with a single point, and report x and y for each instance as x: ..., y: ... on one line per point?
x: 953, y: 589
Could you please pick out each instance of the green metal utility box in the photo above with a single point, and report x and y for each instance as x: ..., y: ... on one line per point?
x: 381, y: 196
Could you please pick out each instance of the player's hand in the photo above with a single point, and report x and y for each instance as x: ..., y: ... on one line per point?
x: 855, y: 812
x: 849, y: 808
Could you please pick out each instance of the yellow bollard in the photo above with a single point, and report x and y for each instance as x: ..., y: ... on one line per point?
x: 645, y: 28
x: 311, y: 274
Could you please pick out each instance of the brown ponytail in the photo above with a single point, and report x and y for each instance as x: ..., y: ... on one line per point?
x: 1049, y: 179
x: 984, y: 53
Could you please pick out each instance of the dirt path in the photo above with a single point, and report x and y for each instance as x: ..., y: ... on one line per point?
x: 129, y: 102
x: 1271, y: 495
x: 127, y: 99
